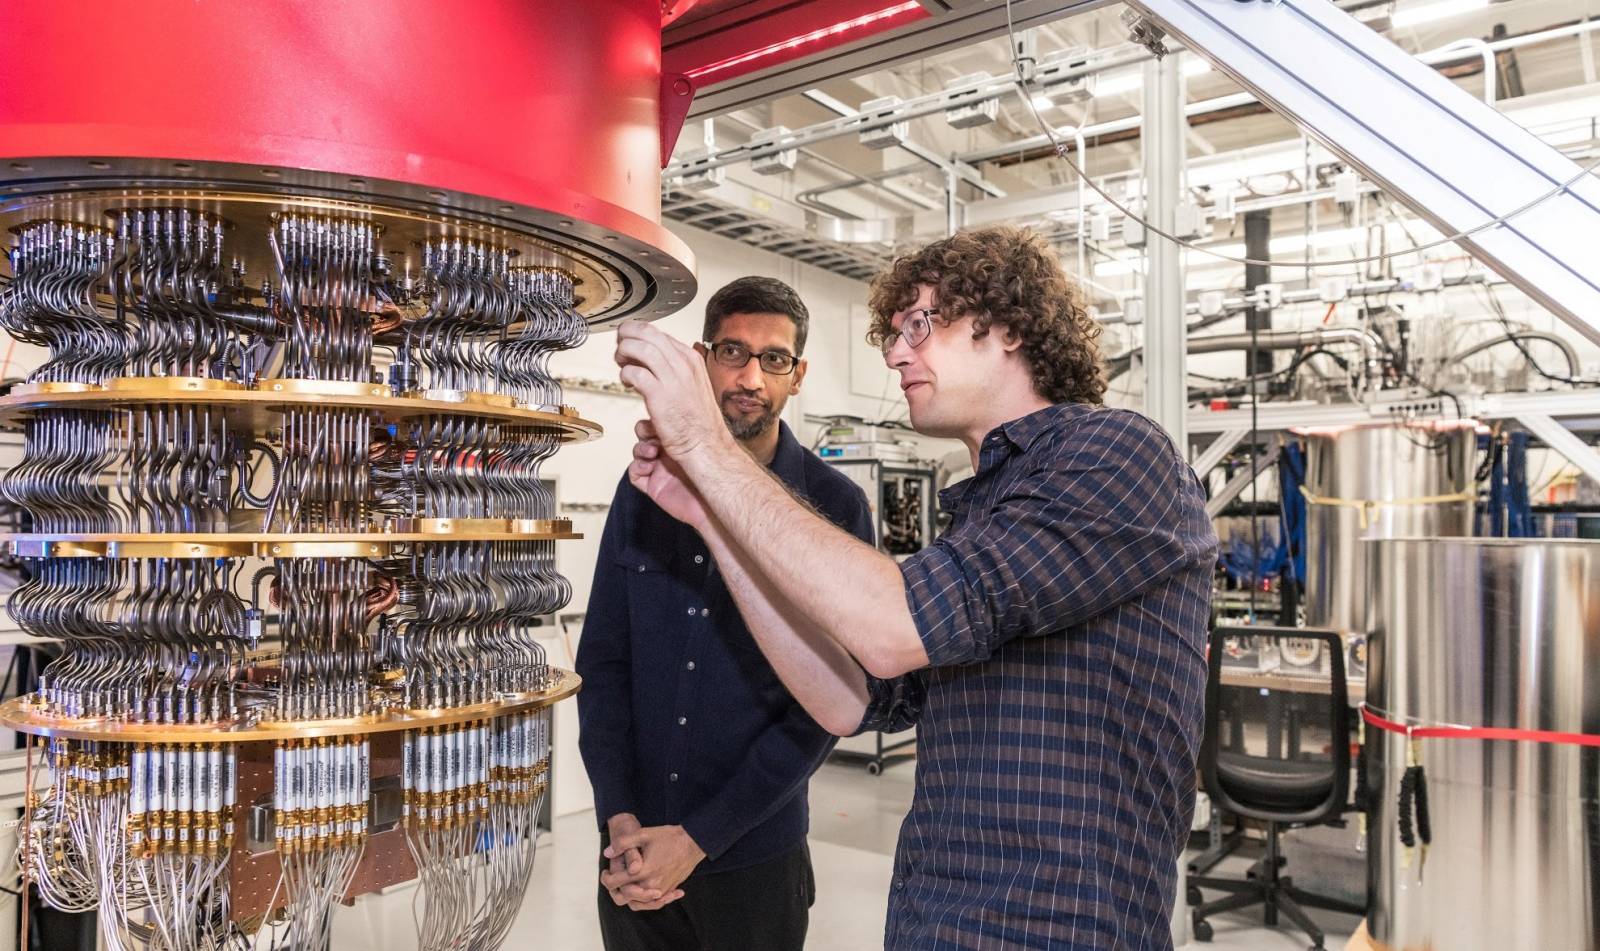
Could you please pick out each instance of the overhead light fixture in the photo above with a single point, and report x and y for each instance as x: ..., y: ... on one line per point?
x: 888, y: 136
x: 1428, y: 12
x: 696, y: 177
x: 778, y: 162
x: 967, y: 114
x: 1042, y: 102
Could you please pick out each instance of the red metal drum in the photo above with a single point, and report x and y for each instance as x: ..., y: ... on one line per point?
x: 537, y: 116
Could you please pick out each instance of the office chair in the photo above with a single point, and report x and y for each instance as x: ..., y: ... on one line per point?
x: 1287, y: 781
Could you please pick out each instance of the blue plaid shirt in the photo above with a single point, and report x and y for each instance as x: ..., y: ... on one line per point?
x: 1064, y: 614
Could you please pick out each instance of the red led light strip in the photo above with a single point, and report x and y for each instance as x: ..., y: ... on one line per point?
x: 844, y: 26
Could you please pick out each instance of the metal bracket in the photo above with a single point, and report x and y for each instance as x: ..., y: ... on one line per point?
x: 1218, y: 450
x: 1564, y: 441
x: 677, y: 93
x: 1142, y: 31
x: 1240, y: 482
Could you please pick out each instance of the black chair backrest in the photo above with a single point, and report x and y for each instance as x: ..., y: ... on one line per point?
x: 1286, y: 755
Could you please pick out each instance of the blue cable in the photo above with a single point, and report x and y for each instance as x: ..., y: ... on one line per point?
x: 1520, y: 522
x: 1497, y: 492
x: 1292, y: 507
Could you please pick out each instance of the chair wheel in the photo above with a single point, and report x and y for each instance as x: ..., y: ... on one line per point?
x: 1193, y: 896
x: 1202, y: 930
x: 874, y: 769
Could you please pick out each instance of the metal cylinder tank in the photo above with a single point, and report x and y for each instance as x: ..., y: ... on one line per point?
x: 1486, y: 633
x: 1384, y: 480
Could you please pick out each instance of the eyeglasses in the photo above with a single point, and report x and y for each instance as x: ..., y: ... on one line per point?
x: 915, y: 328
x: 735, y: 356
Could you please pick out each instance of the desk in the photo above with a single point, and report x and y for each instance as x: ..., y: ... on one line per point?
x: 1355, y: 690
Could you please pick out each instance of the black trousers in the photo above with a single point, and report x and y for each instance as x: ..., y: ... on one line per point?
x: 764, y: 907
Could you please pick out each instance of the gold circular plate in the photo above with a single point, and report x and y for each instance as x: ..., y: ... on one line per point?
x: 452, y: 526
x: 500, y: 400
x: 21, y: 715
x: 270, y: 544
x: 170, y: 384
x: 262, y: 407
x: 36, y: 388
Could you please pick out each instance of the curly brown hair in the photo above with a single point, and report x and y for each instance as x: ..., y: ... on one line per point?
x: 1007, y: 277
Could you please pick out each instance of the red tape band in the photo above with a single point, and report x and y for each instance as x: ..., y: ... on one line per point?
x: 1479, y: 732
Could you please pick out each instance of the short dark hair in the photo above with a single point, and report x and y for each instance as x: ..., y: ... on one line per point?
x: 758, y: 295
x: 1009, y: 278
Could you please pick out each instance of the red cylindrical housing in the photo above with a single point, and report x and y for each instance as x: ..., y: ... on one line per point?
x: 542, y: 106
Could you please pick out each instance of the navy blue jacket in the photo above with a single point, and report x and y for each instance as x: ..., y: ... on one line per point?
x: 681, y: 719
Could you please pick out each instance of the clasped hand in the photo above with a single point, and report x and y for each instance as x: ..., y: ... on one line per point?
x: 647, y: 865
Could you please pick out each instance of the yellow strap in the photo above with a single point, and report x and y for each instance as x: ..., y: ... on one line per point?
x: 1367, y: 506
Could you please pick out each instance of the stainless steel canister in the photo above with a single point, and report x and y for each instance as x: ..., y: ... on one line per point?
x: 1487, y: 633
x: 1378, y: 481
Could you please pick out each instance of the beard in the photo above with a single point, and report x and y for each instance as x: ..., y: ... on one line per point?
x: 748, y: 427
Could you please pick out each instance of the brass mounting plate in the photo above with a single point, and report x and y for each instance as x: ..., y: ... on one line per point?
x: 263, y: 406
x: 25, y: 716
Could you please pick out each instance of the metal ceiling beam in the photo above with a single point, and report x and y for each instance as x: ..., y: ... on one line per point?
x: 968, y: 174
x: 1201, y: 107
x: 1453, y: 160
x: 1438, y: 58
x: 962, y: 25
x: 1578, y: 410
x: 1051, y: 72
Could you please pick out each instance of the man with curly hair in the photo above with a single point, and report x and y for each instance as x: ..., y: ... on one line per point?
x: 1049, y: 646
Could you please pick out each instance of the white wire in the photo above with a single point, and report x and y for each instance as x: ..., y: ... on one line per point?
x: 1060, y: 150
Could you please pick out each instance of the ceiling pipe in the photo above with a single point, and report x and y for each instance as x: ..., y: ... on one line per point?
x: 1370, y: 344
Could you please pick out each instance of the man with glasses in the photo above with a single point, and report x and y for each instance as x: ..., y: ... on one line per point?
x: 1049, y: 646
x: 694, y: 747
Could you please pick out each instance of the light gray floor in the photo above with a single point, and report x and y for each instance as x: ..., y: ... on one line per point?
x: 1237, y: 931
x: 855, y: 819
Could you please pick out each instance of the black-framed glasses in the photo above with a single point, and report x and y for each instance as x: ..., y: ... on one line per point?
x: 915, y: 328
x: 734, y: 356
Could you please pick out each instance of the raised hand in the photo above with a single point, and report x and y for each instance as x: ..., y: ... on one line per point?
x: 671, y: 377
x: 658, y: 476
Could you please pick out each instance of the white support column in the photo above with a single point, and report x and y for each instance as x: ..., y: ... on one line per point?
x: 1165, y: 389
x: 1166, y: 393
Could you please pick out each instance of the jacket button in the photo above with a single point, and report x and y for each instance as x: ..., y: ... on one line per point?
x: 705, y: 612
x: 690, y: 665
x: 699, y: 559
x: 682, y: 720
x: 673, y: 778
x: 641, y: 568
x: 691, y: 612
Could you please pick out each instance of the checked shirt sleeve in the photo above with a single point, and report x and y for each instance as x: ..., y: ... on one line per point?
x: 1097, y: 523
